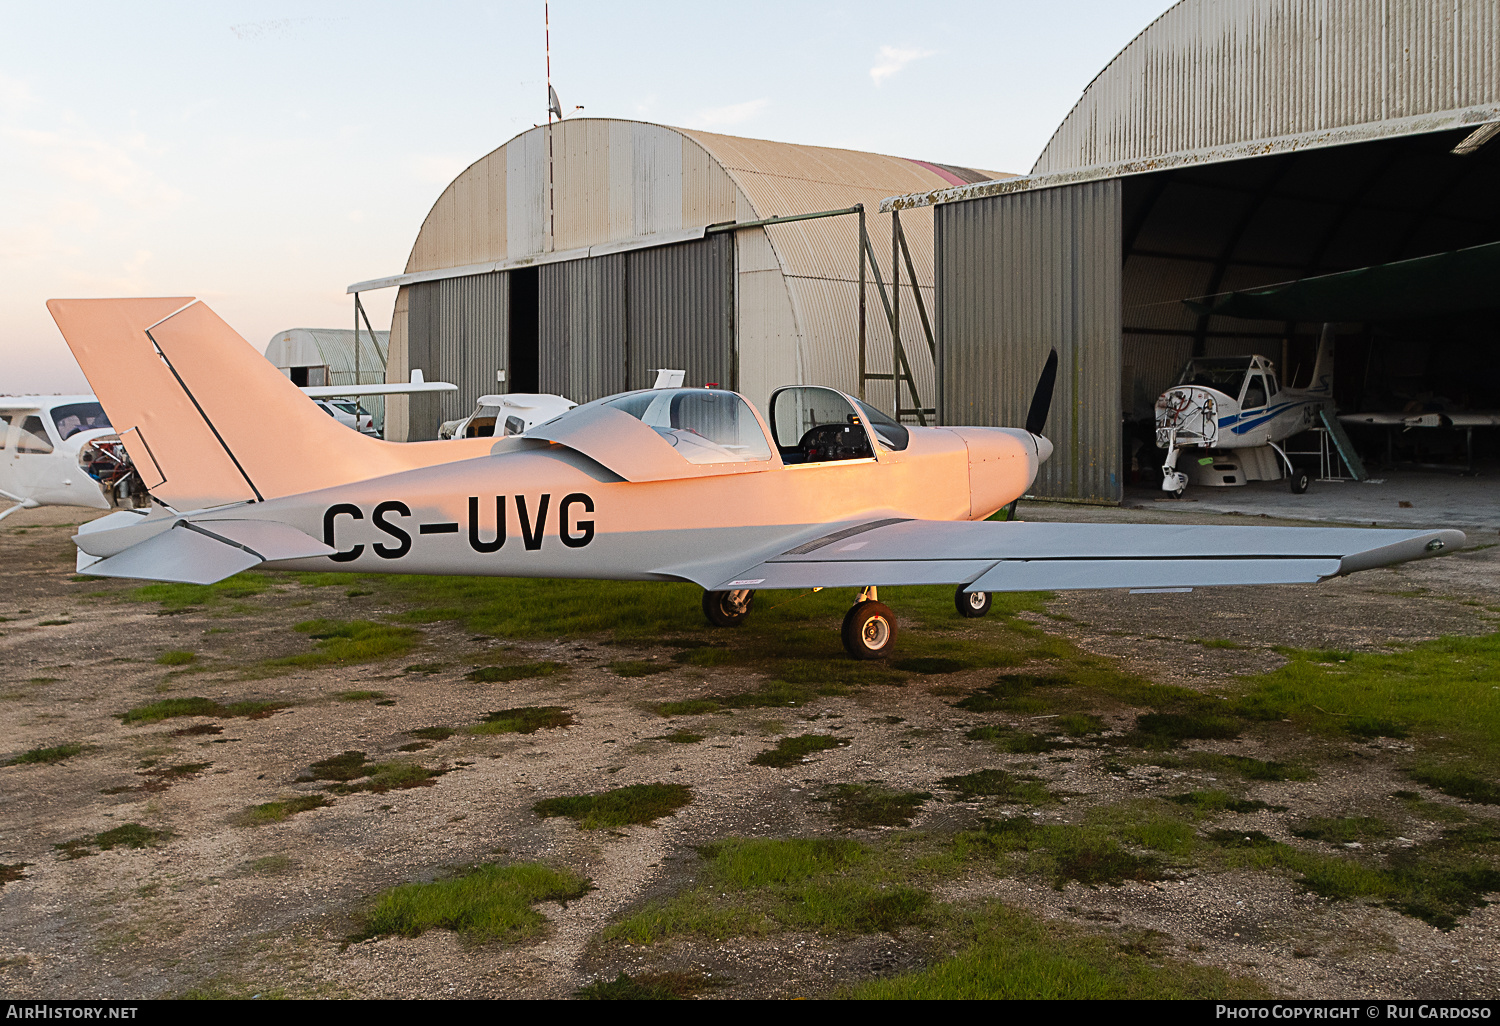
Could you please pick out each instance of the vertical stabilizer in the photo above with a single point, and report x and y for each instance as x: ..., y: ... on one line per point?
x: 1322, y: 375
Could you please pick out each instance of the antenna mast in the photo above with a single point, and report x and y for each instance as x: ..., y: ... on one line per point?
x: 551, y: 217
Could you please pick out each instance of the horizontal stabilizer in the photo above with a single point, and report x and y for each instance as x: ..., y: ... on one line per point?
x: 204, y: 551
x: 178, y: 555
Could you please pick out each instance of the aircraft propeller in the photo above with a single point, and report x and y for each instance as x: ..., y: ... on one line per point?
x: 1041, y: 400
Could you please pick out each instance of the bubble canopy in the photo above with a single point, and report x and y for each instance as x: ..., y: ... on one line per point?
x: 704, y: 425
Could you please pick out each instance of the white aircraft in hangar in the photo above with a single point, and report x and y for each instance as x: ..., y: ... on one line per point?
x: 672, y: 484
x: 61, y: 450
x: 1236, y: 403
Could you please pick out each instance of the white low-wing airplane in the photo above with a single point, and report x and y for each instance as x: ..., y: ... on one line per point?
x: 59, y: 450
x: 673, y: 484
x: 1235, y: 402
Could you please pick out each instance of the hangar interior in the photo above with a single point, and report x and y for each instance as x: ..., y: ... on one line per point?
x: 1206, y: 229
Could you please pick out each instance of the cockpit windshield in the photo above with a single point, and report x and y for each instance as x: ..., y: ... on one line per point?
x: 1224, y: 373
x: 76, y: 417
x: 704, y: 425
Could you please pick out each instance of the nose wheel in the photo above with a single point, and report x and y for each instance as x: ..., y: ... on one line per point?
x: 869, y: 630
x: 727, y: 608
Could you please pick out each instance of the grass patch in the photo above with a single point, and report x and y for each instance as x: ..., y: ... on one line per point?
x: 432, y: 733
x: 1008, y: 955
x: 520, y: 671
x: 131, y: 835
x: 57, y: 753
x: 997, y: 783
x: 1081, y: 724
x: 791, y: 750
x: 1344, y: 829
x: 11, y: 872
x: 351, y: 641
x: 524, y: 720
x: 488, y: 904
x: 1017, y: 742
x: 170, y: 708
x: 1089, y: 853
x: 668, y: 986
x: 1210, y: 802
x: 680, y: 737
x: 1250, y: 769
x: 638, y: 668
x: 391, y: 776
x: 761, y: 886
x: 1443, y: 689
x: 180, y: 597
x: 1458, y: 782
x: 638, y: 803
x: 1167, y: 730
x: 1014, y: 693
x: 280, y: 811
x: 691, y: 707
x: 863, y: 806
x: 177, y: 657
x: 342, y: 767
x: 359, y: 696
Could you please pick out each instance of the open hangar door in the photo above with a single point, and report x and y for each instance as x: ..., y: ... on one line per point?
x: 1215, y: 228
x: 583, y: 328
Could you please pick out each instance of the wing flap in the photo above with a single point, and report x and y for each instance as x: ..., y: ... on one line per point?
x: 1074, y: 574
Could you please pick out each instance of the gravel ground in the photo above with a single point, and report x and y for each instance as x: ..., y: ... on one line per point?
x: 240, y: 910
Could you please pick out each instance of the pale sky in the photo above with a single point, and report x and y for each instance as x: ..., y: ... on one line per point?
x: 262, y: 156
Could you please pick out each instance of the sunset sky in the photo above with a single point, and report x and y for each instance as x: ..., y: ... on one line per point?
x: 262, y: 156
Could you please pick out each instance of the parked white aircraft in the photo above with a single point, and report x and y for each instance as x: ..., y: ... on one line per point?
x: 1236, y: 403
x: 60, y: 450
x: 671, y: 484
x: 514, y: 413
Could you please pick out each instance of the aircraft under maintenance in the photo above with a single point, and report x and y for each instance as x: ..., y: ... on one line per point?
x: 1235, y: 403
x: 672, y: 484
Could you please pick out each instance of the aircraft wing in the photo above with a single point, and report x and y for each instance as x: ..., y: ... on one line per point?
x: 995, y: 556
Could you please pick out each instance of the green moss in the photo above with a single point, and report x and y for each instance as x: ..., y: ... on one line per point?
x: 997, y: 783
x: 488, y: 904
x: 1008, y: 955
x: 57, y: 753
x: 351, y: 641
x: 638, y: 668
x: 279, y: 811
x: 524, y: 720
x: 862, y: 806
x: 668, y: 986
x: 131, y: 835
x: 169, y: 708
x: 791, y: 750
x: 521, y: 671
x: 177, y: 657
x: 636, y: 804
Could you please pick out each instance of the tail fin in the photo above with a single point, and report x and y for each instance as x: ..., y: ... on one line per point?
x: 1322, y: 375
x: 206, y: 418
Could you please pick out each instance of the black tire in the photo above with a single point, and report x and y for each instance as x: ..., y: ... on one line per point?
x: 869, y: 631
x: 727, y: 608
x: 971, y: 604
x: 1299, y: 481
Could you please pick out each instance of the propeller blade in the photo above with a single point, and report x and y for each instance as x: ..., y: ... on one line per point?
x: 1041, y: 400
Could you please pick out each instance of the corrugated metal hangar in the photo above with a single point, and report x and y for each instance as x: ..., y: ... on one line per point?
x: 581, y: 256
x: 1233, y: 143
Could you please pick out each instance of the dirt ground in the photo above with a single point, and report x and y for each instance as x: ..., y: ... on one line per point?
x: 234, y: 910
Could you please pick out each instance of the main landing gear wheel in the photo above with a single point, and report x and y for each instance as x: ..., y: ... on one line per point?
x: 869, y: 631
x: 727, y: 608
x: 1300, y: 479
x: 971, y: 604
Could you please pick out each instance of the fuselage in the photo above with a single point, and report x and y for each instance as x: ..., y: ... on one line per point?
x: 548, y: 510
